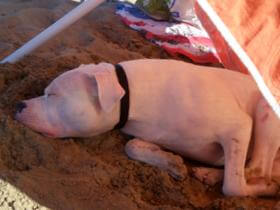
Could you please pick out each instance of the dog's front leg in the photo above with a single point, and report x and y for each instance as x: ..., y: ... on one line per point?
x: 152, y: 154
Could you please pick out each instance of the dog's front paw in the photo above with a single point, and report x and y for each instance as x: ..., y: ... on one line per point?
x: 177, y: 169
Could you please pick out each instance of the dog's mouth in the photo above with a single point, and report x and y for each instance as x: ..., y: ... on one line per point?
x: 33, y: 114
x: 49, y: 135
x: 35, y: 124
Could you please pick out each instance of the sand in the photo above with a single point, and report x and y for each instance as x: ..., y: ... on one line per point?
x: 89, y: 173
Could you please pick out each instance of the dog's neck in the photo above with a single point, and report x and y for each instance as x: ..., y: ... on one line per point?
x: 139, y: 93
x: 124, y: 103
x: 127, y: 110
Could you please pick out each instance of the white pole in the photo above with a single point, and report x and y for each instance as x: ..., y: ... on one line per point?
x: 53, y: 30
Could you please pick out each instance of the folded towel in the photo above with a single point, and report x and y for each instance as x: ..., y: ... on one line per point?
x: 184, y: 38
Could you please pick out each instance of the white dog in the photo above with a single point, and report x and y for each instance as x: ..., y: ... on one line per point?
x: 206, y: 114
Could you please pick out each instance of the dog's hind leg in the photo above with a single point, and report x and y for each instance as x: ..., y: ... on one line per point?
x: 276, y: 167
x: 266, y: 143
x: 209, y: 176
x: 152, y: 154
x: 212, y: 176
x: 235, y: 147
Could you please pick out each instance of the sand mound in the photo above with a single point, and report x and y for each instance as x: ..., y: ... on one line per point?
x: 91, y: 173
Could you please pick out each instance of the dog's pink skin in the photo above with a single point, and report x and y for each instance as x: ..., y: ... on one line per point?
x: 197, y: 112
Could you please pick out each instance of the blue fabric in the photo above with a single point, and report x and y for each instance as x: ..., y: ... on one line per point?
x: 136, y: 12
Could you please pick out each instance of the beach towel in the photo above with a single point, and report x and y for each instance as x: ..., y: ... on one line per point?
x: 183, y: 38
x: 246, y: 35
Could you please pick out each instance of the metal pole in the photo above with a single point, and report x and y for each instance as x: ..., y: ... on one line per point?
x: 64, y: 22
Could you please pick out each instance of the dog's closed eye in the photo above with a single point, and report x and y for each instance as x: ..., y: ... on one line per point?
x: 49, y: 94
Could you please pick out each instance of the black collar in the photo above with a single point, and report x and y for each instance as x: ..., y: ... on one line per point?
x: 124, y: 109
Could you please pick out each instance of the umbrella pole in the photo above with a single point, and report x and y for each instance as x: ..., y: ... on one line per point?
x: 64, y: 22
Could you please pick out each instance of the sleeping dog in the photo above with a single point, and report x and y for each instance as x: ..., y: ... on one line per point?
x: 174, y: 110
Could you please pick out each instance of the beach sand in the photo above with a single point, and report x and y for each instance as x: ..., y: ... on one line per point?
x: 89, y: 173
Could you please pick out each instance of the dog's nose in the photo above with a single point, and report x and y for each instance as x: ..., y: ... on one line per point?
x: 20, y: 106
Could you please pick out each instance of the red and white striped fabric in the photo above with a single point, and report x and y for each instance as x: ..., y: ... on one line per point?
x: 183, y: 38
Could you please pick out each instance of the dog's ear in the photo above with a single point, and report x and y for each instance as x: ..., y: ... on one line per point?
x: 109, y: 91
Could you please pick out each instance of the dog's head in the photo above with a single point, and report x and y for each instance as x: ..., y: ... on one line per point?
x: 81, y: 102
